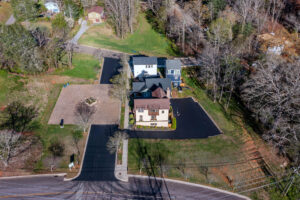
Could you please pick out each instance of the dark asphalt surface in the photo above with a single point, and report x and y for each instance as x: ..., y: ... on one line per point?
x: 137, y: 188
x: 110, y: 68
x: 192, y: 123
x: 98, y: 164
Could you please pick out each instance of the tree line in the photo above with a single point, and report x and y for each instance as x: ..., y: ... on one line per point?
x: 223, y: 35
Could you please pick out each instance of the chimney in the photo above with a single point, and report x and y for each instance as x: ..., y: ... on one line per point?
x: 168, y: 93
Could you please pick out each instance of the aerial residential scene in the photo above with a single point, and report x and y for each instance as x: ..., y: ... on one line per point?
x: 150, y: 99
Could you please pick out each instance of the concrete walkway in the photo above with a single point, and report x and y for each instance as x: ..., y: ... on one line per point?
x: 121, y: 170
x: 11, y: 20
x: 84, y: 27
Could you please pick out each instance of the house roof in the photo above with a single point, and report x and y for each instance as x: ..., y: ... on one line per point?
x: 144, y: 60
x: 173, y: 64
x: 151, y: 84
x: 159, y: 93
x: 138, y: 86
x: 97, y: 9
x: 152, y: 103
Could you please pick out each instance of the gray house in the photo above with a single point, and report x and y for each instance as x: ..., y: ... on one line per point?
x: 173, y: 71
x: 152, y: 88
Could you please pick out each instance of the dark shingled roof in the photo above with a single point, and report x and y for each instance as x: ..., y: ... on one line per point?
x: 151, y: 84
x: 164, y: 83
x: 138, y: 86
x: 152, y: 103
x: 97, y: 9
x: 144, y: 60
x: 173, y: 64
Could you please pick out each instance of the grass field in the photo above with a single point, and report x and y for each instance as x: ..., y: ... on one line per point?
x: 5, y: 11
x: 84, y: 66
x: 144, y: 40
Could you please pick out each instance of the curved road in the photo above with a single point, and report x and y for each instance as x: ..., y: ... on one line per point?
x: 136, y: 188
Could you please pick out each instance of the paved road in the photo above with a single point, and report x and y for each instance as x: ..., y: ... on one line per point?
x: 11, y: 20
x: 98, y: 163
x: 110, y: 68
x: 97, y: 51
x: 192, y: 123
x: 137, y: 188
x: 84, y: 27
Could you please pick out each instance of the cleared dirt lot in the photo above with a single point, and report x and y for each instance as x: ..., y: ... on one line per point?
x: 107, y: 109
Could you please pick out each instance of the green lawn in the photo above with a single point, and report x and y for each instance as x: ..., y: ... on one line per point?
x: 9, y: 84
x: 84, y: 66
x: 144, y: 40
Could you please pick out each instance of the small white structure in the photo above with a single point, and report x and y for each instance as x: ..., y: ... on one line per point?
x: 152, y: 112
x: 144, y: 66
x: 277, y: 50
x: 52, y: 7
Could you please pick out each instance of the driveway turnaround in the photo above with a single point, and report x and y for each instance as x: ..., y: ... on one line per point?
x: 110, y: 68
x: 98, y: 163
x: 107, y: 108
x: 192, y: 123
x: 136, y: 188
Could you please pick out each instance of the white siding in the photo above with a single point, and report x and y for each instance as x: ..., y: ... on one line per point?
x: 140, y: 70
x: 161, y: 119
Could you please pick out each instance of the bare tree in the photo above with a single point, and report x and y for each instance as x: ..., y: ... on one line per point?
x: 83, y: 114
x: 121, y: 14
x: 273, y: 93
x: 114, y: 141
x: 9, y: 141
x: 119, y: 82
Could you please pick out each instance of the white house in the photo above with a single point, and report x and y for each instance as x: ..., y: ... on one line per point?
x: 152, y: 112
x: 52, y: 7
x: 144, y: 66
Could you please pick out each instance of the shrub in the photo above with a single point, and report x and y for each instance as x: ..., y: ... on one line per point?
x: 174, y: 125
x: 131, y: 121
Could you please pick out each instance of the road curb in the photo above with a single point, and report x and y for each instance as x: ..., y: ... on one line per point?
x: 32, y: 176
x: 190, y: 184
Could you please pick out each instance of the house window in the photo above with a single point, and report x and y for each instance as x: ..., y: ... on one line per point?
x: 141, y: 110
x: 177, y: 72
x: 153, y: 117
x: 153, y: 110
x: 141, y: 118
x: 171, y: 71
x: 153, y: 124
x: 162, y: 111
x: 149, y: 66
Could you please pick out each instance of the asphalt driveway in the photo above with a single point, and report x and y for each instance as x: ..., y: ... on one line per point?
x: 110, y: 68
x: 192, y: 123
x: 98, y: 163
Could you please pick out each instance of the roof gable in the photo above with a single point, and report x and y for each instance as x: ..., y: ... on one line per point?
x: 144, y: 60
x: 153, y: 83
x: 97, y: 9
x: 152, y: 103
x: 173, y: 64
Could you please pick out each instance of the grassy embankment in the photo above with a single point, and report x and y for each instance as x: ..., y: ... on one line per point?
x: 144, y: 40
